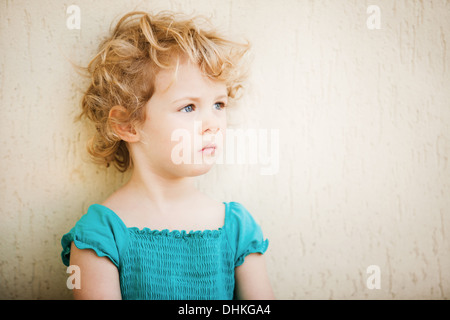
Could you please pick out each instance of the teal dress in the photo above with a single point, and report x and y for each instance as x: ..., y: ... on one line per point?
x: 153, y: 264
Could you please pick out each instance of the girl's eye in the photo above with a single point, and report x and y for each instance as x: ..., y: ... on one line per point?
x: 219, y: 105
x: 188, y: 108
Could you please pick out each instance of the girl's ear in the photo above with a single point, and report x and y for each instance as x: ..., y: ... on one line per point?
x: 118, y: 118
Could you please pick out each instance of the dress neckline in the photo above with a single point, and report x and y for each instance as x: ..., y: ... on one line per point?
x: 175, y: 233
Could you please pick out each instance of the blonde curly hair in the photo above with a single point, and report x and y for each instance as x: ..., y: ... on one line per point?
x: 123, y: 71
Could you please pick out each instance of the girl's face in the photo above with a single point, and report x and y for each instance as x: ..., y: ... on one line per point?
x: 185, y: 115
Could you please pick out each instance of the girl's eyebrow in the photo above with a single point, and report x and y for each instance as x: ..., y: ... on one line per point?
x: 187, y: 98
x: 222, y: 97
x: 197, y: 99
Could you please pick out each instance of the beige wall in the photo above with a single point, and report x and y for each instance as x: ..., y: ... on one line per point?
x: 364, y: 142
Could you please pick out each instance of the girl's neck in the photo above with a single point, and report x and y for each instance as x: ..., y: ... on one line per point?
x: 161, y: 192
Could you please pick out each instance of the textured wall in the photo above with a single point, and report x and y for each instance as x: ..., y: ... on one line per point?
x: 364, y: 142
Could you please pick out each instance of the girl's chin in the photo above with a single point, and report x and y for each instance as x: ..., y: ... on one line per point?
x: 191, y: 167
x: 193, y: 170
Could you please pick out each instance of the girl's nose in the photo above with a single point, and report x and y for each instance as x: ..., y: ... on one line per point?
x: 210, y: 122
x: 212, y: 130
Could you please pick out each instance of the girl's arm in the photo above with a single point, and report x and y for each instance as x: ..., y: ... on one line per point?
x: 252, y: 281
x: 99, y: 276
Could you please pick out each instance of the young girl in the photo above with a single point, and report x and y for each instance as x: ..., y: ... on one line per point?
x: 156, y: 75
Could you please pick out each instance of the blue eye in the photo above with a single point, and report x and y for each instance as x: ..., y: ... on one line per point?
x: 219, y: 105
x: 188, y: 108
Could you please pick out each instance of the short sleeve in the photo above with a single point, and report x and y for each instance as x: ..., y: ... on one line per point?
x: 245, y: 235
x: 101, y: 230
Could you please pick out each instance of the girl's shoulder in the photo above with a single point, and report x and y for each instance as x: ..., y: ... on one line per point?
x: 244, y: 233
x: 238, y: 218
x: 99, y: 229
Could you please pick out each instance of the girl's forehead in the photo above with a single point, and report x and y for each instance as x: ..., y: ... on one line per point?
x: 186, y: 78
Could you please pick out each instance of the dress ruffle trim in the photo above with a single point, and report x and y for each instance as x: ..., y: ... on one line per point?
x: 178, y: 234
x: 260, y: 247
x: 69, y: 238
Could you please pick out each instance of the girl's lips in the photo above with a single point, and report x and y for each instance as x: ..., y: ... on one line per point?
x: 209, y: 149
x: 209, y: 146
